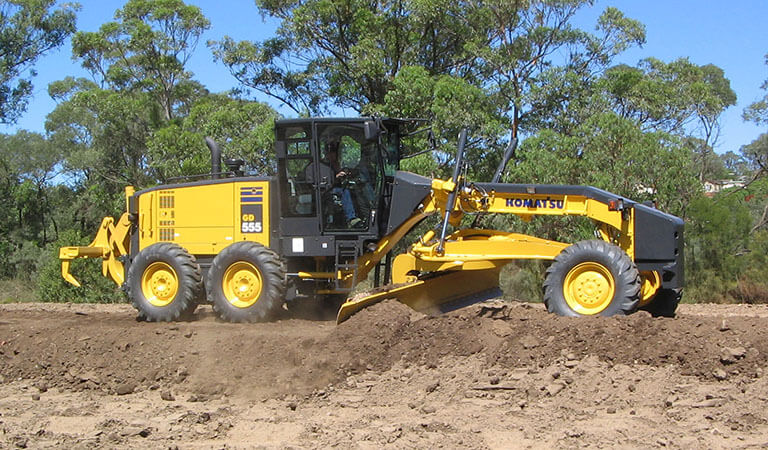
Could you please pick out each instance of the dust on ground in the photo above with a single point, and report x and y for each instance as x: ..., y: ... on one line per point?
x: 495, y: 375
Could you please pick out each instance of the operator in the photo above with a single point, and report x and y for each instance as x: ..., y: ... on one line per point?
x: 330, y: 168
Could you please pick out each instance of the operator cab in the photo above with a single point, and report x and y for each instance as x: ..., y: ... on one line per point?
x: 335, y: 179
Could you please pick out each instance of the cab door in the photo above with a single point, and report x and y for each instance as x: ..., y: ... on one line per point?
x: 350, y: 204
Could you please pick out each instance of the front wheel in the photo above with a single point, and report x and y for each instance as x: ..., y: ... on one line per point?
x: 246, y: 283
x: 592, y: 278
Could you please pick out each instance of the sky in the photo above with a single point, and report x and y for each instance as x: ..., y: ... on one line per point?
x: 731, y: 35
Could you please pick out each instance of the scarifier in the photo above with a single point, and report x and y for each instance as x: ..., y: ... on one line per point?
x: 336, y: 210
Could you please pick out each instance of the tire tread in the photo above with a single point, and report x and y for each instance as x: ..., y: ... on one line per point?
x: 627, y: 277
x: 273, y: 276
x: 190, y: 282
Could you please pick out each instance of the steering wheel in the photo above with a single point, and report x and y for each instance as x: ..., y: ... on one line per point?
x: 347, y: 176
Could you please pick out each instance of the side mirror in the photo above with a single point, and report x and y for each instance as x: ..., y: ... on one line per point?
x: 371, y: 130
x: 280, y: 149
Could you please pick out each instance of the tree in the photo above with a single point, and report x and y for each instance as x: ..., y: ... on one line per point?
x: 346, y: 53
x: 677, y: 97
x: 757, y: 112
x: 612, y: 153
x: 139, y: 85
x: 455, y: 63
x: 532, y: 41
x: 756, y: 153
x: 717, y: 238
x: 28, y: 222
x: 142, y: 118
x: 244, y: 129
x: 735, y: 164
x: 103, y: 133
x: 28, y: 29
x: 449, y: 103
x: 146, y: 50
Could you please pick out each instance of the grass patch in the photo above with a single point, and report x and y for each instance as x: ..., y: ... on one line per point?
x: 17, y: 291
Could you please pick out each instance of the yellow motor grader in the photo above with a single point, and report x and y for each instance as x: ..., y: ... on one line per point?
x: 336, y: 209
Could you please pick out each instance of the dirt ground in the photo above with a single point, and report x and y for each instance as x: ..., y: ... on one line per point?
x: 495, y: 375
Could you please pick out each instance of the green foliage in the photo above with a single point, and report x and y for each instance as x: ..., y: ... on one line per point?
x: 734, y: 165
x: 442, y: 101
x: 717, y: 238
x: 756, y: 153
x: 347, y: 52
x: 757, y: 112
x: 146, y: 50
x: 505, y: 70
x: 51, y: 287
x: 612, y: 153
x: 27, y: 166
x: 28, y: 29
x: 103, y: 133
x: 245, y: 129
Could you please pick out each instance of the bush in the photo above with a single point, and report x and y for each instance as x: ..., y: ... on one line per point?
x: 522, y: 280
x: 717, y: 239
x: 14, y: 291
x: 51, y: 287
x: 750, y: 291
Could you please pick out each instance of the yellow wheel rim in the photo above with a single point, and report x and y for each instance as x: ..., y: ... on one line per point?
x: 588, y: 288
x: 651, y: 282
x: 159, y: 284
x: 242, y: 284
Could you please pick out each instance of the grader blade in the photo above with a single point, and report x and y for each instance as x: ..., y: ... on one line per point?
x: 442, y: 292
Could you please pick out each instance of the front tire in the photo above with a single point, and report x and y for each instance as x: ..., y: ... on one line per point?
x: 592, y: 278
x: 246, y: 283
x: 164, y: 281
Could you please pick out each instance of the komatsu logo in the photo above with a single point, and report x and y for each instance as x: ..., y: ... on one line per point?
x: 544, y: 203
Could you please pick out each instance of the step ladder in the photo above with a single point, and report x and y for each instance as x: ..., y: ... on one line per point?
x: 346, y: 251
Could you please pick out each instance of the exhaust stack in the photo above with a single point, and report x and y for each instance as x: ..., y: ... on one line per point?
x: 215, y: 157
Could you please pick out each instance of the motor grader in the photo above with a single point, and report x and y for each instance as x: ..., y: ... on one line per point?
x: 250, y: 245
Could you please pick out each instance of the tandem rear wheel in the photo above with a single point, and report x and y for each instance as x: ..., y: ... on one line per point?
x: 164, y: 282
x: 246, y: 283
x: 592, y: 278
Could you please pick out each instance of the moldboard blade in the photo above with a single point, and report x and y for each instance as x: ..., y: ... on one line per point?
x: 441, y: 292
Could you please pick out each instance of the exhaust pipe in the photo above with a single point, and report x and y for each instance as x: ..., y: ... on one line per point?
x: 215, y: 157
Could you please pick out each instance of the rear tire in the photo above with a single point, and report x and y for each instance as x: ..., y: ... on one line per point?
x: 163, y: 283
x: 246, y: 283
x: 592, y: 278
x: 664, y: 303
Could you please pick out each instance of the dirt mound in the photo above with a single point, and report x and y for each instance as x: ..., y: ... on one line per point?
x: 493, y: 375
x: 515, y: 335
x: 111, y: 351
x: 697, y: 345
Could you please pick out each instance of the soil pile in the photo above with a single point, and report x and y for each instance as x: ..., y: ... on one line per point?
x: 493, y: 375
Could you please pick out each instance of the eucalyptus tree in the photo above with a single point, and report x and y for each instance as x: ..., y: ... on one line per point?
x: 139, y: 83
x: 146, y: 49
x: 455, y: 62
x: 757, y: 111
x: 28, y: 30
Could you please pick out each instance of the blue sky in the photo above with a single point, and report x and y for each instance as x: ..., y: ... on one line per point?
x: 731, y: 35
